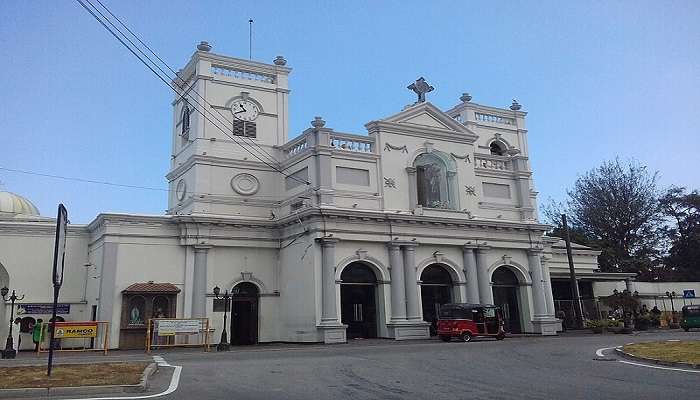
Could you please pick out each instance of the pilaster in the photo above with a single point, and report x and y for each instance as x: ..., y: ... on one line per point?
x: 332, y: 330
x: 471, y: 272
x: 483, y: 276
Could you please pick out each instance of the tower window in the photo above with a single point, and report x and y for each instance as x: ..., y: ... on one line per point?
x: 185, y: 122
x: 244, y: 128
x: 497, y: 149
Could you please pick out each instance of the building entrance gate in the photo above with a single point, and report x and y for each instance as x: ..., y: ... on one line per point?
x: 358, y: 301
x: 505, y: 295
x: 436, y: 290
x: 244, y: 314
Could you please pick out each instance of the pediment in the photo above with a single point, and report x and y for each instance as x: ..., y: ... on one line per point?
x: 427, y: 115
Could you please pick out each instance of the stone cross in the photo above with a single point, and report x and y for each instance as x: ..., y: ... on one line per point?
x: 421, y: 87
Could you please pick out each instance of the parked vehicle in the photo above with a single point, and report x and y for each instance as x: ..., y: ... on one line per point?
x: 465, y: 321
x: 690, y: 317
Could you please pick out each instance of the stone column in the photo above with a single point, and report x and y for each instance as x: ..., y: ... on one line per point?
x: 538, y: 288
x: 398, y: 288
x: 329, y: 313
x: 549, y: 299
x: 199, y: 282
x: 413, y: 309
x: 470, y: 270
x: 485, y: 292
x: 412, y: 190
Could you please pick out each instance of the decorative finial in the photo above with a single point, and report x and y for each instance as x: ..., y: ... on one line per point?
x: 515, y: 106
x: 318, y: 123
x: 421, y: 87
x: 465, y: 98
x: 279, y: 60
x: 203, y: 46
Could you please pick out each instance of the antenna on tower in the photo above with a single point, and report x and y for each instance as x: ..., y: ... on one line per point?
x: 250, y: 38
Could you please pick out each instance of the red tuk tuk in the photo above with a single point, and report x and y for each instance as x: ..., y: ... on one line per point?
x: 465, y: 321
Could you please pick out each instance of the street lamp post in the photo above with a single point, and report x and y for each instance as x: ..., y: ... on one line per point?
x: 671, y: 295
x: 223, y: 345
x: 10, y: 351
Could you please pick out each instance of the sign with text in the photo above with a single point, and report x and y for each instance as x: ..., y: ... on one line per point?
x: 172, y: 327
x: 43, y: 309
x: 66, y: 330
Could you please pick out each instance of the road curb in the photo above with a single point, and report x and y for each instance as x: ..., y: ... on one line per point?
x: 677, y: 364
x: 46, y: 393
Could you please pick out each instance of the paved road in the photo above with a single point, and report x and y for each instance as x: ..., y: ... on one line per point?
x: 518, y: 368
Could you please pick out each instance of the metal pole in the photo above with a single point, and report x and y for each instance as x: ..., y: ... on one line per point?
x: 250, y: 38
x: 52, y: 327
x: 572, y: 272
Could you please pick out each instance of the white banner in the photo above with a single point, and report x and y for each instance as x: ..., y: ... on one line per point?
x: 172, y: 327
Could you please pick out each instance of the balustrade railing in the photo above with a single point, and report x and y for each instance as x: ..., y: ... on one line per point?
x: 240, y: 74
x: 494, y: 118
x: 352, y: 143
x: 297, y: 146
x: 492, y: 163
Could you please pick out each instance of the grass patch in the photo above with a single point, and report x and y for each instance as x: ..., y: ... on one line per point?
x: 72, y: 375
x: 684, y: 351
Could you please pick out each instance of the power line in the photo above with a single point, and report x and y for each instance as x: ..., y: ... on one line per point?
x: 172, y: 87
x: 175, y: 74
x: 204, y: 109
x: 123, y: 185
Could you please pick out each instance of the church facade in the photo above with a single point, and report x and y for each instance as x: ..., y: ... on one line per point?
x: 325, y: 237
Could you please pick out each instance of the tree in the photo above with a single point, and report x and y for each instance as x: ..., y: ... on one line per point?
x: 615, y: 208
x: 683, y: 209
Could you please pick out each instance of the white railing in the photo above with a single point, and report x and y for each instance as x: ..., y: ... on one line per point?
x: 240, y: 74
x: 296, y: 146
x: 352, y: 143
x: 492, y: 163
x: 494, y: 118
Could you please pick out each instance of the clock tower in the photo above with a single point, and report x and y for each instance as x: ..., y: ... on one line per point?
x: 229, y: 117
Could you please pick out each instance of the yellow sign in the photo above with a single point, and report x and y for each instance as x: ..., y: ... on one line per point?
x: 75, y: 330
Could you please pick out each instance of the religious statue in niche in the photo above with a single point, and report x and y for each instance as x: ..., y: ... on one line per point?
x: 429, y: 186
x: 135, y: 316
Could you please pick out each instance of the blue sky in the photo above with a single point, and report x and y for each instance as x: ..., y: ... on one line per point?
x: 598, y: 79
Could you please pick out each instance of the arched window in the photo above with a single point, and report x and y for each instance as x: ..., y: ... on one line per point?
x: 185, y: 121
x: 497, y: 148
x: 432, y: 183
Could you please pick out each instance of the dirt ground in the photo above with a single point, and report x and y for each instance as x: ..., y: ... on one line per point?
x: 72, y: 375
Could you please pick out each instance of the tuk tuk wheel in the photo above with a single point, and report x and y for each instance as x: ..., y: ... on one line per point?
x: 500, y: 336
x: 445, y: 338
x: 466, y: 337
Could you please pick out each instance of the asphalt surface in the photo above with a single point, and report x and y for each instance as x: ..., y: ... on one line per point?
x: 562, y: 367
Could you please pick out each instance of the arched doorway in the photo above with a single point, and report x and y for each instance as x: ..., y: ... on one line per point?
x: 244, y: 314
x: 358, y: 300
x: 435, y: 290
x: 505, y: 295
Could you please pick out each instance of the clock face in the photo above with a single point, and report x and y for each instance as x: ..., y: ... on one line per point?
x: 245, y: 110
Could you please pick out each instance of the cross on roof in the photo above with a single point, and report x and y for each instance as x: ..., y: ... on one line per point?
x: 421, y: 87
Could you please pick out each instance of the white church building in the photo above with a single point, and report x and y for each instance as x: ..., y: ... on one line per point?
x: 323, y: 237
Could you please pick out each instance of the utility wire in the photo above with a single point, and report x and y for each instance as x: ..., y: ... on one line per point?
x: 108, y: 183
x: 258, y: 148
x: 81, y: 2
x: 175, y: 74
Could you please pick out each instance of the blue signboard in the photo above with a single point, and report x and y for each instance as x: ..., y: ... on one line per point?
x: 44, y: 309
x: 689, y: 294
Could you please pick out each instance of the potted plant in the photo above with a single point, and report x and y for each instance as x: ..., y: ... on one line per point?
x: 599, y: 325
